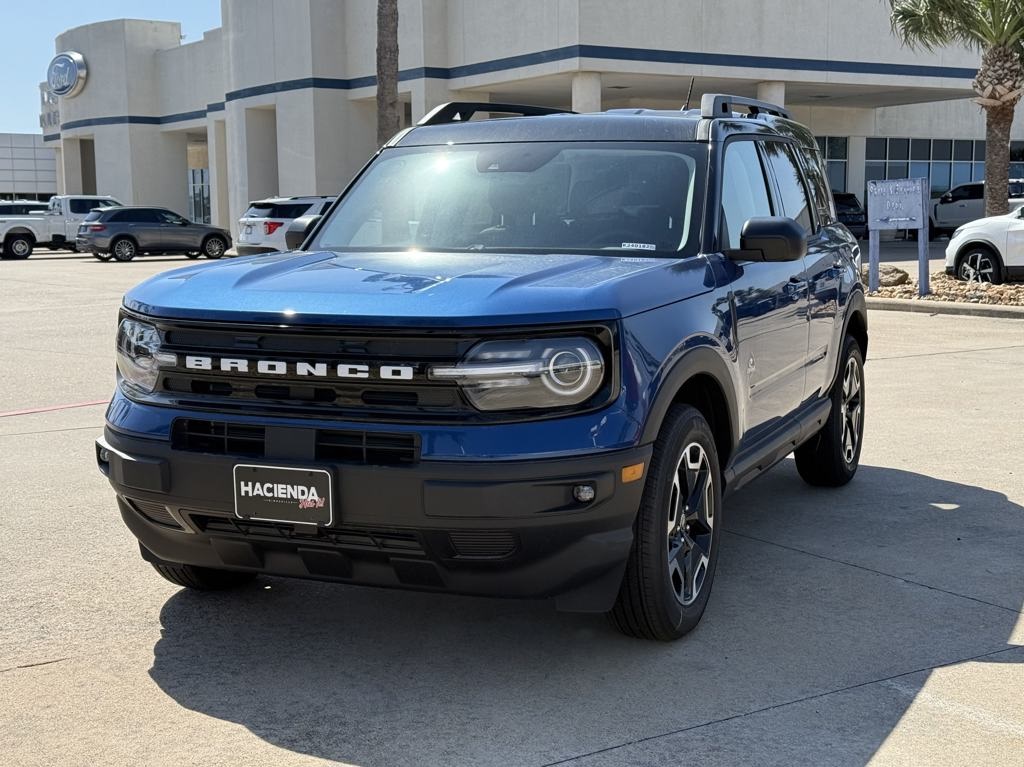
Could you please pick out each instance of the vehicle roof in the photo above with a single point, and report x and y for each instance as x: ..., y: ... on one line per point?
x: 613, y: 125
x: 299, y: 198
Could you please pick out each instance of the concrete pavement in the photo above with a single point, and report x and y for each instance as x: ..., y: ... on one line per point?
x: 881, y: 623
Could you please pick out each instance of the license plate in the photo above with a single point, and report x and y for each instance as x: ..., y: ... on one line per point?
x: 283, y: 494
x: 248, y: 229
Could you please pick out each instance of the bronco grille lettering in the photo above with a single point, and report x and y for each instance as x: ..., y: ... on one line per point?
x: 311, y: 369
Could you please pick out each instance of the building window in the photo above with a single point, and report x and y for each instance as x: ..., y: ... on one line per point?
x: 834, y: 152
x: 944, y: 162
x: 199, y: 195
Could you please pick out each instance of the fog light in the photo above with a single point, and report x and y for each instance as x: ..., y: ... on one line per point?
x: 584, y: 493
x: 104, y: 455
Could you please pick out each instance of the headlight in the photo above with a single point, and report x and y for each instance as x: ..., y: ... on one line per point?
x: 138, y: 355
x: 536, y: 373
x: 957, y: 232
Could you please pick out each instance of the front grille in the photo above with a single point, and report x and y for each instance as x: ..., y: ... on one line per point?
x: 382, y: 540
x: 310, y: 371
x: 483, y: 544
x: 292, y: 391
x: 154, y: 512
x: 373, y: 448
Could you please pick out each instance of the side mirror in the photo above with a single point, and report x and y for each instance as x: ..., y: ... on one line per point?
x: 947, y: 197
x: 298, y: 230
x: 772, y: 238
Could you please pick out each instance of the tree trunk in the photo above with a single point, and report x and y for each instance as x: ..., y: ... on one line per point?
x: 997, y: 159
x: 388, y: 119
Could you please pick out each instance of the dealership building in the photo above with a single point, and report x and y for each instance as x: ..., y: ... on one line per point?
x: 280, y: 99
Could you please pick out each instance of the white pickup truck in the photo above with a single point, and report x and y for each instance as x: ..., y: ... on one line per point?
x: 54, y: 228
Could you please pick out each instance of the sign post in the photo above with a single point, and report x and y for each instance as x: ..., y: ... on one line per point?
x: 899, y: 204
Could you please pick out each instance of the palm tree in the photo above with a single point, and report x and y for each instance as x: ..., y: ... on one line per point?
x: 996, y: 29
x: 388, y: 121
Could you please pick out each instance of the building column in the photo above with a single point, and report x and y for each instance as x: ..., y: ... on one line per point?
x: 586, y: 92
x: 58, y: 154
x: 71, y: 166
x: 774, y: 92
x: 216, y: 146
x: 856, y: 154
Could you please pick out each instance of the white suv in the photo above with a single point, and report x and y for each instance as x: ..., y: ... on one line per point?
x: 262, y: 227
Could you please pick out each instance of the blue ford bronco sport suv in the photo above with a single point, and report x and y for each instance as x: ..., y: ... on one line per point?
x: 518, y: 357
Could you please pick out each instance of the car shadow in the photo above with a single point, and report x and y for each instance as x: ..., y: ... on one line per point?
x: 817, y: 592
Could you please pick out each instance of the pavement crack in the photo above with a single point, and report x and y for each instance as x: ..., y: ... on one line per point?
x: 94, y: 427
x: 876, y: 572
x: 775, y: 706
x: 33, y: 665
x: 945, y: 353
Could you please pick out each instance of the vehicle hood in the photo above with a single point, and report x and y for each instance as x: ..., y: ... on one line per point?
x: 441, y: 289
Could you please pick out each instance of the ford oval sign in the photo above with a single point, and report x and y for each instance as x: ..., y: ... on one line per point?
x: 66, y: 74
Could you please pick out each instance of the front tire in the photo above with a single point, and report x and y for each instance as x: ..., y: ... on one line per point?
x: 124, y: 249
x: 672, y: 563
x: 214, y: 247
x: 202, y: 578
x: 980, y: 265
x: 831, y: 457
x: 18, y: 246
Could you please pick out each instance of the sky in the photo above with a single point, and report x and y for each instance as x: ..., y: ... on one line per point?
x: 28, y: 42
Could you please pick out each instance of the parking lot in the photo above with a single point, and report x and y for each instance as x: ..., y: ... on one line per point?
x: 880, y: 623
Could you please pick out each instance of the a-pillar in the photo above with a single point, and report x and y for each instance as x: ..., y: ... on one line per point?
x: 773, y: 91
x: 586, y: 92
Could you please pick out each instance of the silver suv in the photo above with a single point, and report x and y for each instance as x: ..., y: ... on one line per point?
x: 262, y: 227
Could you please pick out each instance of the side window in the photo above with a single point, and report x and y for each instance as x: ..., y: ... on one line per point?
x: 79, y: 205
x: 792, y: 194
x: 975, y: 192
x: 961, y: 192
x: 744, y: 191
x: 166, y: 217
x: 56, y: 208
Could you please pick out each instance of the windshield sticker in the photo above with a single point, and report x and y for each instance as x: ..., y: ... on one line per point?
x: 638, y: 246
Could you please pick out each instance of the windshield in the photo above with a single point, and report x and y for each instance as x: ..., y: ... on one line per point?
x: 525, y: 197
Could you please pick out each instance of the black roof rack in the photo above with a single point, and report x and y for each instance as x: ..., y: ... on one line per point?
x: 720, y: 105
x: 462, y: 110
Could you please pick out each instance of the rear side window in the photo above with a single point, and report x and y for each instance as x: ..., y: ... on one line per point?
x: 744, y: 191
x: 95, y: 216
x: 821, y: 192
x: 792, y: 194
x: 276, y: 210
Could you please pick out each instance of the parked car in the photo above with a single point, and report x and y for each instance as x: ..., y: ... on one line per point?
x: 988, y: 250
x: 520, y: 357
x: 851, y: 213
x: 55, y: 228
x: 124, y: 232
x: 261, y: 228
x: 21, y: 207
x: 965, y: 203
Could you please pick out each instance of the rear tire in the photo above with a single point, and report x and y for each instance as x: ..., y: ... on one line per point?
x: 672, y: 563
x: 214, y: 247
x: 202, y: 578
x: 831, y: 457
x: 18, y: 246
x: 124, y: 249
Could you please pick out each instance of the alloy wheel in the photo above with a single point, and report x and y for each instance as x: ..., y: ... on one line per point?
x: 851, y: 410
x: 124, y: 249
x: 978, y: 267
x: 214, y: 248
x: 691, y: 521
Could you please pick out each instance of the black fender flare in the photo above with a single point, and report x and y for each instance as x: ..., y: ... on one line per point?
x: 701, y: 360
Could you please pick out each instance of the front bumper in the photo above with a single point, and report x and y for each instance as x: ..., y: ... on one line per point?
x: 489, y: 528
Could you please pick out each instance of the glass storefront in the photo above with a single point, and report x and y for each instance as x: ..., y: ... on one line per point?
x: 945, y: 162
x: 835, y: 152
x: 199, y: 195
